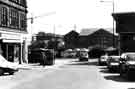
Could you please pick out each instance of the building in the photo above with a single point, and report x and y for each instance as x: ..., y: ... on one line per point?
x: 71, y: 39
x: 103, y: 39
x: 13, y: 24
x: 100, y: 37
x: 126, y: 29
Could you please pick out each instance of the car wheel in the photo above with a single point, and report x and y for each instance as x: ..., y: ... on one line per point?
x: 121, y: 73
x: 99, y: 63
x: 1, y: 71
x: 128, y: 74
x: 11, y: 72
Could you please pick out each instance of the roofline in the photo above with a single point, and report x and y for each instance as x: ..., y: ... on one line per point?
x: 122, y: 13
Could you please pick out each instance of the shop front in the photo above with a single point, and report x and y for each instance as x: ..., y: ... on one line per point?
x: 12, y: 48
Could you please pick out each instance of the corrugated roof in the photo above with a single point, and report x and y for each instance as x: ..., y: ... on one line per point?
x: 88, y: 31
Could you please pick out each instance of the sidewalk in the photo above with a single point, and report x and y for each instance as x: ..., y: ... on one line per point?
x: 58, y: 62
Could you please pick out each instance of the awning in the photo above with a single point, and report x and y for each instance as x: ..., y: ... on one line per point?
x: 12, y: 41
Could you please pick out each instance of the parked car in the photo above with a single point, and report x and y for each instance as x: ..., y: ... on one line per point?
x: 113, y: 63
x: 7, y: 67
x: 103, y: 60
x: 127, y: 65
x: 83, y: 55
x: 69, y: 53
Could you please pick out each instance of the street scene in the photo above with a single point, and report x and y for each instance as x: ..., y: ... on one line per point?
x: 67, y: 44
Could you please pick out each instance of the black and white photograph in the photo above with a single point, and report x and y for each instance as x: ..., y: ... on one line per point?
x: 67, y: 44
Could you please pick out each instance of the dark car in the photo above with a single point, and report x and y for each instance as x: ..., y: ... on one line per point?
x: 127, y: 65
x: 42, y: 56
x: 83, y: 55
x: 103, y: 60
x: 113, y: 63
x: 11, y: 71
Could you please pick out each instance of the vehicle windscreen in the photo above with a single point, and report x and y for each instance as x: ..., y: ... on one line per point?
x: 130, y: 57
x: 115, y: 59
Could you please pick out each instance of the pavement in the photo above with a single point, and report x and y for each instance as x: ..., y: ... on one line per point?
x: 58, y: 62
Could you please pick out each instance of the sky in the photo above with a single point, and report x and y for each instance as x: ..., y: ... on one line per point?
x: 62, y: 16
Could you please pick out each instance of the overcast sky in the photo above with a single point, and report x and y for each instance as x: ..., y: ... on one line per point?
x: 63, y: 14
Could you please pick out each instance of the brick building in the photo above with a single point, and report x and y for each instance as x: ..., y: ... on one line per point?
x: 13, y: 24
x: 125, y: 27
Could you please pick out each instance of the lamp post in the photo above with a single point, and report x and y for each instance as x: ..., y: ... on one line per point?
x: 113, y: 19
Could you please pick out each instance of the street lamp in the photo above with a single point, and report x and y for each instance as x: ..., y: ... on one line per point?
x: 113, y: 19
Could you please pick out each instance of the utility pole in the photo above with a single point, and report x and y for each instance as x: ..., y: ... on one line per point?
x: 113, y: 5
x: 32, y: 18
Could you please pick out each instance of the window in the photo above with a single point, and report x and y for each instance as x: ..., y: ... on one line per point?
x: 23, y: 3
x: 14, y: 18
x: 15, y: 1
x: 22, y: 21
x: 4, y: 16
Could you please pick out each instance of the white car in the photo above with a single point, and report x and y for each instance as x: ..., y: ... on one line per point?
x: 6, y: 66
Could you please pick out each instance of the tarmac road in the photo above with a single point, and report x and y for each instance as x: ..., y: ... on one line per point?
x: 68, y: 75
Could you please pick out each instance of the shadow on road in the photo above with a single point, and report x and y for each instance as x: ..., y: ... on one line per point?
x: 114, y: 76
x: 105, y: 70
x: 117, y: 78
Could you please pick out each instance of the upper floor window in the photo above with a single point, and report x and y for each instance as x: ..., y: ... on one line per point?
x: 4, y: 16
x: 14, y: 18
x: 15, y: 1
x: 22, y: 21
x: 23, y: 3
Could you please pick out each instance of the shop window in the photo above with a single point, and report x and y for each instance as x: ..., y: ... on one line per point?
x: 4, y: 16
x: 16, y: 53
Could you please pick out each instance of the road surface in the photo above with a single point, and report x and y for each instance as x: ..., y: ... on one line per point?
x: 67, y: 75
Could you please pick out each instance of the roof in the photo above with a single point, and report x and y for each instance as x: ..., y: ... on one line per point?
x: 128, y: 16
x: 124, y: 22
x: 89, y: 31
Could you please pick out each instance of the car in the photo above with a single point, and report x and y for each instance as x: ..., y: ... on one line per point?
x: 103, y: 60
x: 7, y: 67
x: 127, y: 65
x: 83, y: 55
x: 69, y: 53
x: 113, y: 63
